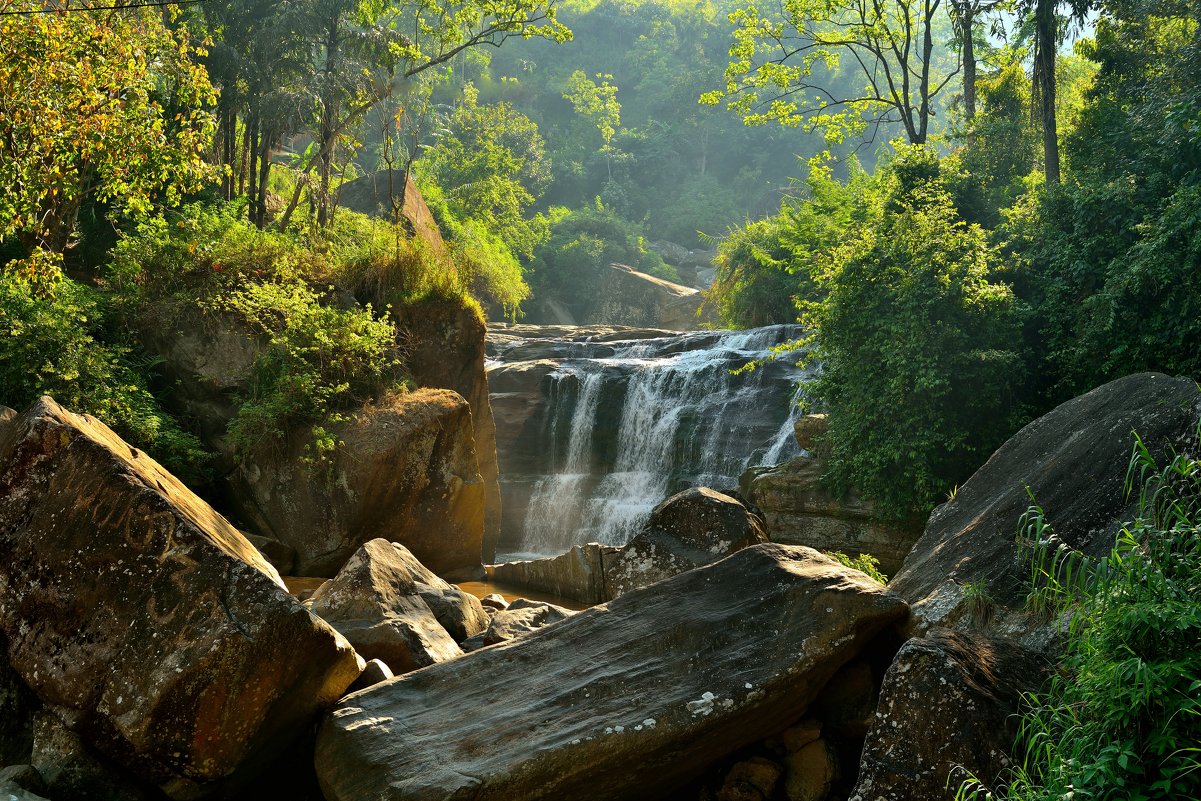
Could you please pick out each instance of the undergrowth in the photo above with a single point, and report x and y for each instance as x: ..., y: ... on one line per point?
x: 1121, y: 719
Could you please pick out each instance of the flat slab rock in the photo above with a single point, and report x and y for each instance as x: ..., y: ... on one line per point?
x: 139, y: 616
x: 626, y: 700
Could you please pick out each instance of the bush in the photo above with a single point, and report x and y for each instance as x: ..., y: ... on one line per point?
x: 1121, y: 721
x: 918, y: 347
x: 53, y: 342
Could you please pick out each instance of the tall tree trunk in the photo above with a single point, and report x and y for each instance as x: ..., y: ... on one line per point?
x: 1045, y: 40
x: 328, y: 131
x: 253, y: 173
x: 242, y: 169
x: 968, y: 23
x: 260, y: 202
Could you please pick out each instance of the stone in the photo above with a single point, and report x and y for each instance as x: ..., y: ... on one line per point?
x: 798, y: 510
x: 804, y: 732
x: 10, y: 791
x: 689, y: 529
x: 375, y: 194
x: 754, y: 779
x: 1073, y: 462
x: 405, y: 470
x: 629, y: 297
x: 809, y: 429
x: 625, y: 700
x: 494, y: 600
x: 847, y: 705
x: 811, y: 772
x: 390, y: 607
x: 444, y: 349
x: 142, y: 619
x: 71, y: 771
x: 24, y: 777
x: 17, y: 707
x: 580, y: 575
x: 949, y: 703
x: 375, y: 672
x: 281, y: 557
x: 521, y: 618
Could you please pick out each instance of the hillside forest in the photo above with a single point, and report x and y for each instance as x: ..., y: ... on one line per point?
x: 975, y: 210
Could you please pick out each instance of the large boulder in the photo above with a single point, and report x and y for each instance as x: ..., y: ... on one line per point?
x: 520, y: 618
x: 799, y: 510
x: 689, y: 529
x: 378, y: 193
x: 629, y: 297
x: 392, y: 608
x: 404, y: 470
x: 625, y: 700
x: 444, y: 348
x: 1073, y: 462
x: 578, y: 575
x: 142, y: 619
x: 948, y: 709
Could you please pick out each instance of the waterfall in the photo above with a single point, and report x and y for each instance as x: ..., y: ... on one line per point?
x: 627, y: 423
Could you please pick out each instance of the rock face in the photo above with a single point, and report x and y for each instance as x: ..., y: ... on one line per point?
x: 1074, y: 461
x: 626, y: 700
x: 391, y: 608
x: 444, y: 342
x: 948, y: 705
x: 629, y: 297
x: 689, y: 529
x: 406, y: 472
x: 601, y: 424
x: 580, y: 574
x: 519, y: 619
x: 142, y: 619
x: 17, y: 707
x: 374, y: 194
x: 799, y: 511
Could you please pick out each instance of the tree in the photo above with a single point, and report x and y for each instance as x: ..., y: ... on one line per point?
x: 918, y: 345
x: 1044, y: 15
x: 965, y: 14
x: 782, y: 69
x: 596, y: 102
x: 107, y: 106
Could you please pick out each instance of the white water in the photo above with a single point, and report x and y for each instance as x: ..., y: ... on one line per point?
x: 684, y: 421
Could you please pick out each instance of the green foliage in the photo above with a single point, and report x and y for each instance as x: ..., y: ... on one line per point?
x: 597, y: 102
x: 864, y: 563
x: 108, y: 107
x: 319, y: 360
x: 59, y: 342
x: 919, y: 347
x: 582, y: 244
x: 1121, y: 719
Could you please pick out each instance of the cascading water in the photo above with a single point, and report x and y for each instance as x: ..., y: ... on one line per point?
x: 627, y: 423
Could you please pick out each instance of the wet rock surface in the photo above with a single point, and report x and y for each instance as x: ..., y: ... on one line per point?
x: 405, y: 471
x: 142, y: 620
x: 391, y: 608
x: 628, y: 699
x: 1073, y: 461
x: 947, y: 708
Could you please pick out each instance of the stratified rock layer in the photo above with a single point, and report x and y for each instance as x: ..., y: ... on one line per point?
x: 627, y: 700
x: 405, y: 470
x: 1073, y: 462
x: 142, y: 619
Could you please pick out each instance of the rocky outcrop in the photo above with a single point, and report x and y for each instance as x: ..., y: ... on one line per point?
x: 689, y: 529
x: 17, y: 707
x: 444, y: 348
x: 631, y: 699
x: 579, y: 575
x: 379, y: 193
x: 948, y: 709
x: 22, y: 783
x: 630, y: 297
x: 518, y: 619
x: 404, y: 470
x: 1073, y: 462
x: 142, y: 619
x: 798, y: 510
x: 391, y: 608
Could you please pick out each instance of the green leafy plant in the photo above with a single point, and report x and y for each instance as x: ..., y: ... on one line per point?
x: 980, y: 604
x: 864, y: 563
x: 1121, y: 718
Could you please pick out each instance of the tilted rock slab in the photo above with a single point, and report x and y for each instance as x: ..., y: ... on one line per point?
x: 142, y: 619
x: 391, y: 608
x: 625, y: 700
x: 1073, y: 460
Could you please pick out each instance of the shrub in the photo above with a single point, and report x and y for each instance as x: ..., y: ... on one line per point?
x: 53, y: 342
x: 1121, y: 721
